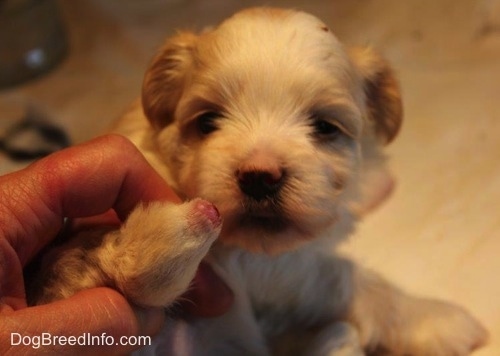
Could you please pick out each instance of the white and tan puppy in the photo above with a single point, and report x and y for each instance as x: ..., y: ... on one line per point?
x: 271, y: 119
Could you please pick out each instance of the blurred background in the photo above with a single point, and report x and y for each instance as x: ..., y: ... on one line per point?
x: 69, y: 68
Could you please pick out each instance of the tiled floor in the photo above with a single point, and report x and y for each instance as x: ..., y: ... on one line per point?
x: 439, y: 235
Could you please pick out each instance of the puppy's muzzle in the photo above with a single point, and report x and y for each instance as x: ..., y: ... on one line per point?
x: 260, y: 184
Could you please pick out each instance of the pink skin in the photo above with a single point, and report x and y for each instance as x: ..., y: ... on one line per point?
x: 65, y: 184
x: 207, y: 210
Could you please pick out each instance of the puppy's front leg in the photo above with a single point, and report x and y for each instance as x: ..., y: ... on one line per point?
x: 404, y: 325
x: 151, y: 259
x: 154, y: 256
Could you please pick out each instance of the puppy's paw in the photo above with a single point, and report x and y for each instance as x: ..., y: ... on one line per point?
x: 154, y: 256
x: 337, y: 339
x: 438, y: 328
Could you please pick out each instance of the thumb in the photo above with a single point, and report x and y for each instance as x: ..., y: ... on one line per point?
x: 81, y: 324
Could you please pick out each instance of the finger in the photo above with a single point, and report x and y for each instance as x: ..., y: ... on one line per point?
x: 210, y: 296
x: 106, y: 172
x: 85, y: 180
x: 109, y: 218
x: 100, y: 314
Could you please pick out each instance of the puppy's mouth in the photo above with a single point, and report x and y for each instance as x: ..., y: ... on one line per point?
x: 268, y: 222
x: 262, y: 230
x: 266, y: 215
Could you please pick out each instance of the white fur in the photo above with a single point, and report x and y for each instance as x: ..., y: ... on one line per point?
x: 171, y: 238
x: 269, y: 76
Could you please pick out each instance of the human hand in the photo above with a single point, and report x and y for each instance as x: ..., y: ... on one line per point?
x: 83, y: 181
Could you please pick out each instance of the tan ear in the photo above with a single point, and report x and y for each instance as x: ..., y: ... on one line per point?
x: 165, y: 78
x: 383, y: 95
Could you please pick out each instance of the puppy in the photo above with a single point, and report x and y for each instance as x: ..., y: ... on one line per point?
x: 271, y: 119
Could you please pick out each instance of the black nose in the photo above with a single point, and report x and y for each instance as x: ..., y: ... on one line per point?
x: 260, y: 185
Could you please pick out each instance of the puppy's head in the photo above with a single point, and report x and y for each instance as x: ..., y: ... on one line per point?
x: 268, y: 116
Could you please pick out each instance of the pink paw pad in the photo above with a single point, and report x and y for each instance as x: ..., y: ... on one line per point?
x: 206, y: 211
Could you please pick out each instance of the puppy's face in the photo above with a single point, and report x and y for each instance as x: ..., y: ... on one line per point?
x: 267, y: 117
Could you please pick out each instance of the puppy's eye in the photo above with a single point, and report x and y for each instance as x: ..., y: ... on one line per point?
x: 207, y: 122
x: 325, y: 129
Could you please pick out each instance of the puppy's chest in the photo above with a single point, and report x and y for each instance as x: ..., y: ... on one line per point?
x: 298, y: 288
